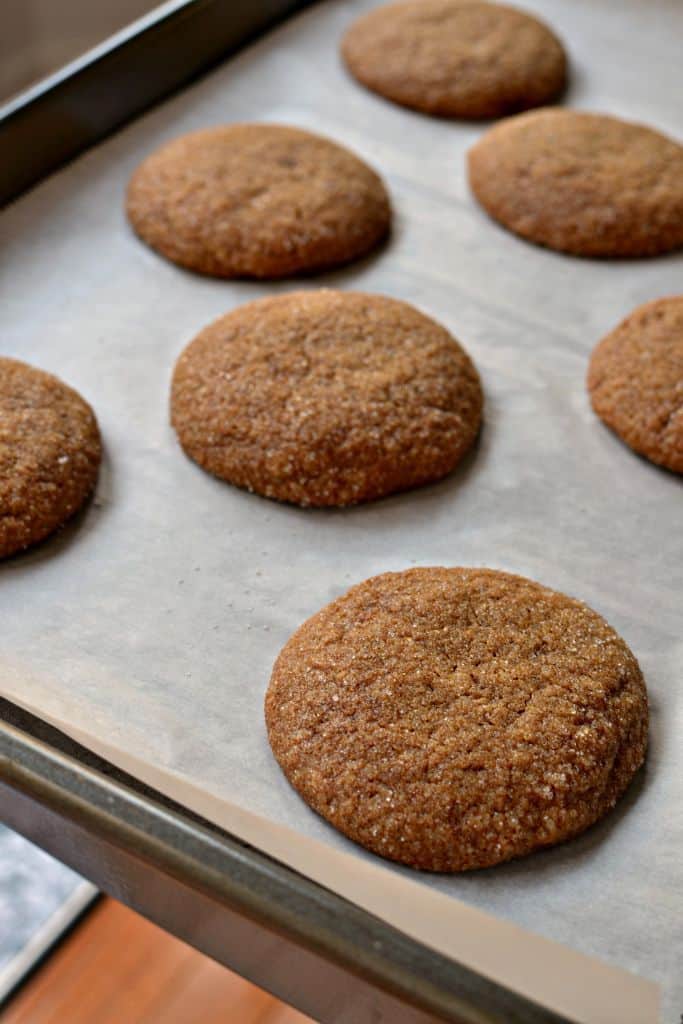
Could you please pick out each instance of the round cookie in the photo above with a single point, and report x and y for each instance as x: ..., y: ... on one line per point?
x: 585, y: 184
x: 635, y: 381
x: 454, y: 718
x: 456, y: 58
x: 50, y: 454
x: 326, y: 398
x: 257, y: 200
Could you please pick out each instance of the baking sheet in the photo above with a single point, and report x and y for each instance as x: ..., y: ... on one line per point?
x: 148, y: 628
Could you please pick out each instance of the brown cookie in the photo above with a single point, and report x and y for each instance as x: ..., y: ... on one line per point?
x: 257, y: 200
x: 586, y: 184
x: 326, y: 398
x: 635, y: 381
x: 455, y: 718
x: 456, y: 58
x: 49, y: 454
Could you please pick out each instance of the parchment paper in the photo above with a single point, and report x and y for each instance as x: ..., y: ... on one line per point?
x: 148, y: 628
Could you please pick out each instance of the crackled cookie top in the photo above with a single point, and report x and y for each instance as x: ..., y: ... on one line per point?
x: 326, y: 398
x: 635, y: 381
x: 49, y: 454
x: 455, y: 718
x: 257, y: 200
x: 456, y: 58
x: 581, y: 183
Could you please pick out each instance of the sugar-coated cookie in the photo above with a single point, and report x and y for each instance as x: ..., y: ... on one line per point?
x: 326, y: 398
x: 456, y: 58
x: 455, y: 718
x: 257, y: 200
x: 50, y: 454
x: 635, y: 381
x: 586, y: 184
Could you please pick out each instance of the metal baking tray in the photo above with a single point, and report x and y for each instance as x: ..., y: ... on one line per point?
x: 510, y: 304
x: 95, y: 94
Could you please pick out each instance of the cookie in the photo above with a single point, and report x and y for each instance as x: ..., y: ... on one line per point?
x: 585, y: 184
x: 455, y: 718
x: 635, y: 381
x: 50, y: 454
x: 257, y: 200
x: 326, y: 398
x: 455, y: 58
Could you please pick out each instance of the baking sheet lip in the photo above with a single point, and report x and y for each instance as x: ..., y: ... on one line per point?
x: 29, y: 960
x: 118, y: 40
x: 248, y: 880
x: 72, y: 92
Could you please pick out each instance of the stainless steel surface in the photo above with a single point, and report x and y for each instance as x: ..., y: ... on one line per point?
x: 40, y: 36
x: 77, y: 105
x: 151, y: 625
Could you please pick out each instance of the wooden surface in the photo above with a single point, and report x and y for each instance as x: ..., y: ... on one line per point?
x: 116, y: 967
